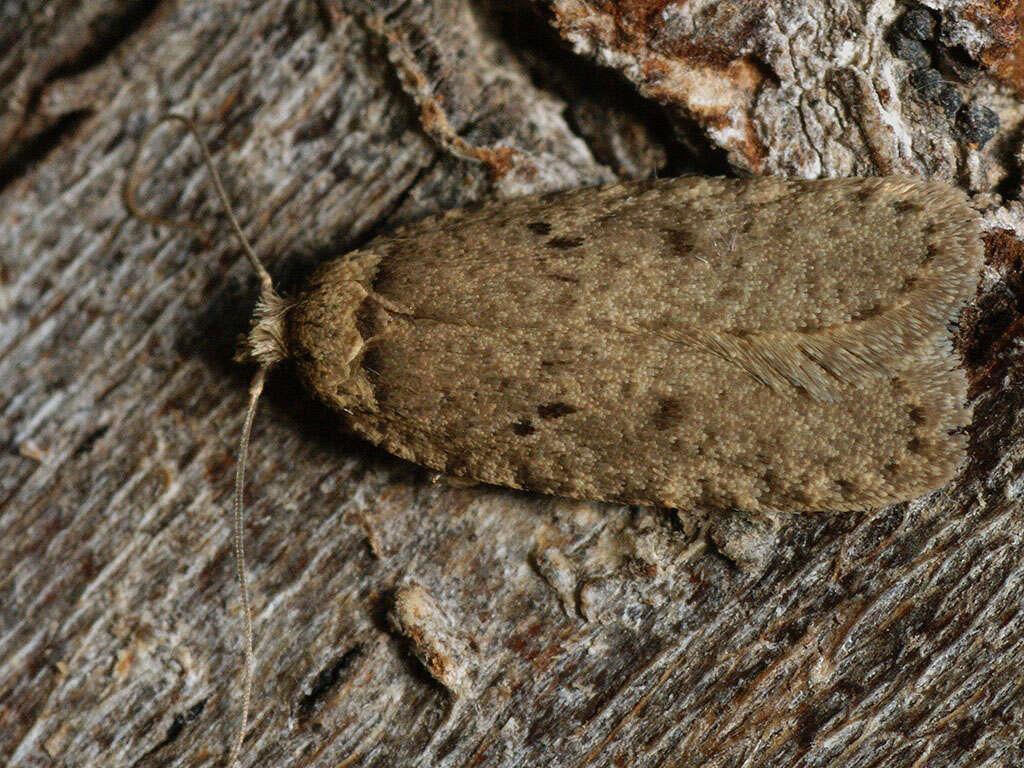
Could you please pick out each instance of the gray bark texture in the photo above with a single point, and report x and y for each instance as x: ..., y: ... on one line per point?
x: 406, y: 622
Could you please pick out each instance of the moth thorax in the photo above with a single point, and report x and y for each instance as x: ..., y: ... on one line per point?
x: 326, y: 336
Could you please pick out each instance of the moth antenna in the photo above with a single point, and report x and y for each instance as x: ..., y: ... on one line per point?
x: 255, y: 389
x: 132, y: 182
x: 266, y: 346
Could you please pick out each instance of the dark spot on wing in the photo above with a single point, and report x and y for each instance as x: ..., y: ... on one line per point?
x: 564, y: 278
x: 917, y: 414
x: 456, y: 465
x: 554, y: 410
x: 679, y: 241
x: 845, y: 488
x: 539, y: 227
x: 563, y: 243
x: 523, y: 477
x: 523, y: 427
x: 866, y: 313
x: 905, y: 206
x: 670, y: 412
x: 798, y: 497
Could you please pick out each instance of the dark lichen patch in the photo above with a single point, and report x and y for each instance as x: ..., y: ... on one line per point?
x: 555, y: 410
x: 977, y: 124
x: 910, y: 50
x: 670, y: 412
x: 919, y: 23
x: 539, y: 227
x: 564, y: 243
x: 523, y: 427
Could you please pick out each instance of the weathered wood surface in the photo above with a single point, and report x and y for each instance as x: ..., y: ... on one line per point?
x: 563, y: 633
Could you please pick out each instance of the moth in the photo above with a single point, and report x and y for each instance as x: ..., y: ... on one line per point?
x: 759, y: 343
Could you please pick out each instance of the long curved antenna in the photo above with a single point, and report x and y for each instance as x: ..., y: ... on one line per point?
x: 269, y: 300
x: 255, y: 389
x: 132, y: 182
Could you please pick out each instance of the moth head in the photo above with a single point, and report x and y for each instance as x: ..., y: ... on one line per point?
x: 265, y: 343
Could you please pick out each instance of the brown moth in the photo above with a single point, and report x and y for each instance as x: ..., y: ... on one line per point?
x: 751, y: 343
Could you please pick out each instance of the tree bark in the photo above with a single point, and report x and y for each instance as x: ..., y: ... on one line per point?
x: 403, y: 621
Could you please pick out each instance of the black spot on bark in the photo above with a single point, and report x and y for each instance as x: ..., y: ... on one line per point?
x: 523, y: 427
x: 539, y: 227
x: 90, y: 440
x: 968, y: 734
x: 554, y: 410
x: 670, y: 412
x: 564, y: 243
x: 318, y: 125
x: 182, y: 719
x: 325, y: 680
